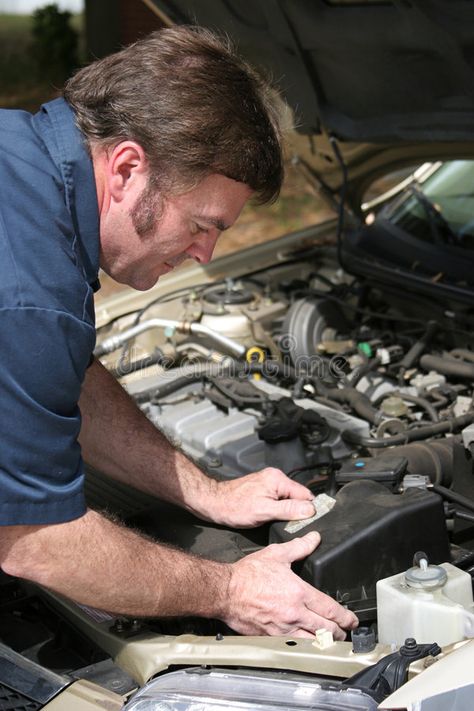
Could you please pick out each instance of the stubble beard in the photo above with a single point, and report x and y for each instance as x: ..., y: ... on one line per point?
x: 147, y: 213
x: 147, y: 210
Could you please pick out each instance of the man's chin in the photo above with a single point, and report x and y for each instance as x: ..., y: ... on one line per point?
x: 136, y: 281
x: 144, y: 285
x: 148, y: 283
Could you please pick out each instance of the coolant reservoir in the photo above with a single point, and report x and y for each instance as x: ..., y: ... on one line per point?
x: 432, y: 603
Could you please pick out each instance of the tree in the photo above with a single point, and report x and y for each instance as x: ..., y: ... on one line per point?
x: 54, y: 44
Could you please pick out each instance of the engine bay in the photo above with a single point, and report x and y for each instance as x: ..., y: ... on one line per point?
x: 357, y: 390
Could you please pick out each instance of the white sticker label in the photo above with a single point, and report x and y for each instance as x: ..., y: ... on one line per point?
x: 322, y: 505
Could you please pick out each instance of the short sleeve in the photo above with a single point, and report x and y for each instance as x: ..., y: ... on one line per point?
x: 44, y: 356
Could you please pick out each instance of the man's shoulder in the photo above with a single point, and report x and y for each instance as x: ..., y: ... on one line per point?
x: 15, y: 119
x: 24, y: 158
x: 19, y: 133
x: 40, y: 258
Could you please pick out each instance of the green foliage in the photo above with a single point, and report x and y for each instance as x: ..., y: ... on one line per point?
x: 15, y: 62
x: 20, y: 85
x: 55, y: 42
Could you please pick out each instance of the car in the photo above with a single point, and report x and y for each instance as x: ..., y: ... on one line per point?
x: 343, y: 354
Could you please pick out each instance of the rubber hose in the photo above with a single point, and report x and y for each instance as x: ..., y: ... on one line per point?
x: 432, y: 459
x: 448, y: 366
x: 454, y: 497
x: 417, y: 348
x: 452, y: 425
x: 364, y: 370
x: 464, y: 516
x: 359, y: 402
x: 328, y: 403
x: 195, y: 374
x: 463, y: 354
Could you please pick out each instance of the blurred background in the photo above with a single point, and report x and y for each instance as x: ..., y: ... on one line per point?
x: 42, y: 43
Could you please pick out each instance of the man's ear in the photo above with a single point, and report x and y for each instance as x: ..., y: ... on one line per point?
x: 127, y: 170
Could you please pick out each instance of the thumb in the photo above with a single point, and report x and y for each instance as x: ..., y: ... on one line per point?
x: 297, y: 549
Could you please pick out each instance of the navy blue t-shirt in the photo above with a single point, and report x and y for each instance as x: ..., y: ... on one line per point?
x: 49, y: 254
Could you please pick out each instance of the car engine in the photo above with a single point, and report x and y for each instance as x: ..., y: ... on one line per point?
x: 359, y: 391
x: 351, y: 387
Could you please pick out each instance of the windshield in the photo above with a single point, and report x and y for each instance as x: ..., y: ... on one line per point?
x: 441, y: 209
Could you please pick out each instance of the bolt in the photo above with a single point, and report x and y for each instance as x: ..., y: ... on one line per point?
x: 118, y: 626
x: 214, y: 462
x: 410, y: 648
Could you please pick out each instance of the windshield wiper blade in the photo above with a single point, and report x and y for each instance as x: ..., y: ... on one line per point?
x: 437, y: 222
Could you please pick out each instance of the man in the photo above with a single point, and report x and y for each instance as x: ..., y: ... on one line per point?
x: 152, y: 156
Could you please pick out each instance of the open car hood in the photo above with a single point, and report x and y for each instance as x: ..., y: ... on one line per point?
x: 392, y: 81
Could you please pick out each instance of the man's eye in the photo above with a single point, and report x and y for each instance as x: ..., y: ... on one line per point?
x: 199, y: 229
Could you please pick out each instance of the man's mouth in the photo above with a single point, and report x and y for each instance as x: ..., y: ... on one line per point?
x: 176, y: 261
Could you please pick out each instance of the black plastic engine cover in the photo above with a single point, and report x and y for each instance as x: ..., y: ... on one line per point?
x: 370, y: 534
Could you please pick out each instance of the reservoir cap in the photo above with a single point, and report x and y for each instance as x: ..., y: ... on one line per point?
x: 424, y: 576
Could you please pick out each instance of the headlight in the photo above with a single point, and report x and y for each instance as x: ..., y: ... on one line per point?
x: 206, y: 690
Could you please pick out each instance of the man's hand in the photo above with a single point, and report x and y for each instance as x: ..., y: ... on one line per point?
x: 266, y: 597
x: 267, y: 495
x: 97, y: 562
x: 118, y: 440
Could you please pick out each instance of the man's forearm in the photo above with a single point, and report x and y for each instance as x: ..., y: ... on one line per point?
x: 119, y: 440
x: 97, y: 562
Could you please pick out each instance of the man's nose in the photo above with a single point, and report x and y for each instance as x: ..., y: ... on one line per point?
x: 202, y: 249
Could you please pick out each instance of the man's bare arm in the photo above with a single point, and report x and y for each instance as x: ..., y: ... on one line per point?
x: 97, y: 562
x: 119, y: 440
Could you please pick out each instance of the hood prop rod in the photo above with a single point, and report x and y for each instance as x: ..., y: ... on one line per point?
x: 342, y: 198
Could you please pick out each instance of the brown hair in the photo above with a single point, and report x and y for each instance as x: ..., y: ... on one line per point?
x: 193, y: 105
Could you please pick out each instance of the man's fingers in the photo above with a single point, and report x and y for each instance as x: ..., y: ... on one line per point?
x: 317, y: 622
x: 292, y: 502
x: 337, y: 633
x: 301, y: 634
x: 266, y: 495
x: 334, y: 618
x: 291, y: 510
x: 285, y: 487
x: 296, y: 549
x: 327, y: 609
x: 284, y: 604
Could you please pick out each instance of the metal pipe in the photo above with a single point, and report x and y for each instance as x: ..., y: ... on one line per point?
x: 208, y: 353
x: 114, y: 342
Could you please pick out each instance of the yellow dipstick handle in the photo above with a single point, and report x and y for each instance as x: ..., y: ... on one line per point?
x: 255, y: 355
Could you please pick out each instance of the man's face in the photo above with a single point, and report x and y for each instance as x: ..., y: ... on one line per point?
x: 144, y: 236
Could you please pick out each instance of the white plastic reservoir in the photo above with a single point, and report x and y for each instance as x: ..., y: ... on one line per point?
x: 428, y: 602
